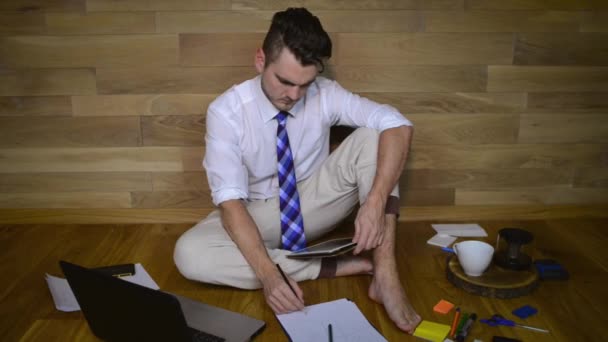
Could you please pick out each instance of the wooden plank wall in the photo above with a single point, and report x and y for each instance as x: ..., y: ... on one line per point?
x: 102, y: 102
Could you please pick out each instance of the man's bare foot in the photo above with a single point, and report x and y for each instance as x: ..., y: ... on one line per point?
x: 386, y: 289
x: 352, y: 265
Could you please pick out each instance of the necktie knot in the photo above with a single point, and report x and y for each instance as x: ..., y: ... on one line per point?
x: 282, y: 117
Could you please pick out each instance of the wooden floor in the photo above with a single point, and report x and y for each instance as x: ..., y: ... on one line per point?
x: 573, y: 310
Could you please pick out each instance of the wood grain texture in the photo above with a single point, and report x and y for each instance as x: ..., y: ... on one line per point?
x: 69, y: 132
x: 155, y: 5
x: 426, y: 197
x: 103, y: 215
x: 212, y: 21
x: 109, y: 159
x: 218, y: 49
x: 35, y: 106
x: 465, y: 128
x: 485, y: 178
x: 22, y: 23
x: 69, y: 329
x: 591, y: 178
x: 371, y: 21
x: 346, y: 5
x: 574, y: 128
x: 423, y: 48
x: 35, y: 82
x: 505, y: 95
x: 59, y: 23
x: 547, y: 78
x: 491, y: 212
x: 595, y: 21
x: 43, y: 5
x: 507, y: 156
x: 206, y: 80
x: 75, y: 182
x: 180, y: 181
x: 141, y: 105
x: 192, y: 158
x: 171, y: 199
x: 411, y: 78
x: 584, y: 102
x: 66, y: 200
x: 453, y: 102
x: 36, y: 249
x: 502, y: 21
x: 562, y: 49
x: 531, y: 196
x: 535, y: 4
x: 88, y: 51
x: 179, y: 130
x: 192, y: 216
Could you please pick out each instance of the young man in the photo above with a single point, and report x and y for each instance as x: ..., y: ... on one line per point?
x: 265, y: 134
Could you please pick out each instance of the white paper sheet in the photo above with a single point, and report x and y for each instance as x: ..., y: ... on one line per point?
x: 348, y: 323
x: 66, y: 301
x: 441, y: 240
x: 461, y: 229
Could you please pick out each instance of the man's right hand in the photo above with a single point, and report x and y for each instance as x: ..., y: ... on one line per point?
x: 280, y: 297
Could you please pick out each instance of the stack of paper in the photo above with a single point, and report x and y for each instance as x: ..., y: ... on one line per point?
x: 448, y: 233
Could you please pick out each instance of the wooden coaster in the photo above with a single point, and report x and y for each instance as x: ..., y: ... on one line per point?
x: 495, y: 282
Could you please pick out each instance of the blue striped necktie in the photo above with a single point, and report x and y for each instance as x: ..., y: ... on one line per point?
x: 292, y: 223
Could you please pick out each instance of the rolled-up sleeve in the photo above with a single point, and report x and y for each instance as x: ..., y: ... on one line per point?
x: 350, y: 109
x: 226, y: 173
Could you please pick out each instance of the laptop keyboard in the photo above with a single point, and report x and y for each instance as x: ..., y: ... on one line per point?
x: 201, y: 336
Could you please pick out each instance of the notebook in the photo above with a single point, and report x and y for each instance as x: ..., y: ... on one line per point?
x: 117, y: 310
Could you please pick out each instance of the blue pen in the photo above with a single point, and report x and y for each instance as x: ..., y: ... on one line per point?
x: 447, y: 249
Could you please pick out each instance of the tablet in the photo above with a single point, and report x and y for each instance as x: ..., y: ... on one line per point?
x: 325, y: 249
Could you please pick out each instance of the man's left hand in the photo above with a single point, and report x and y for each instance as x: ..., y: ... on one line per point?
x: 369, y: 224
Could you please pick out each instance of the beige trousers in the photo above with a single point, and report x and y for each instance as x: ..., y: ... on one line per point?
x: 206, y: 252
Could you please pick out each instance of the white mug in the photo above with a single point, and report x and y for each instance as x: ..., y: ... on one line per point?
x: 474, y: 256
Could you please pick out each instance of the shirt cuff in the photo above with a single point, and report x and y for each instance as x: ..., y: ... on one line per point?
x: 224, y: 195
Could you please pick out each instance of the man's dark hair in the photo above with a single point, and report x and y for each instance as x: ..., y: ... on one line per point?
x: 301, y: 32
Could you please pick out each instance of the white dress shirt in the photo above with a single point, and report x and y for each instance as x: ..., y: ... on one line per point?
x: 241, y: 156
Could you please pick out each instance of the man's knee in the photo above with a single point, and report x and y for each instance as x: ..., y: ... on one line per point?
x: 189, y: 258
x: 216, y: 263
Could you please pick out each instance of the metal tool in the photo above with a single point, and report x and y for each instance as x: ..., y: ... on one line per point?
x: 497, y: 320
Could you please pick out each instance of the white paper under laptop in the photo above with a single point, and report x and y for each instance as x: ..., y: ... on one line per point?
x: 448, y: 233
x: 64, y: 297
x: 348, y: 323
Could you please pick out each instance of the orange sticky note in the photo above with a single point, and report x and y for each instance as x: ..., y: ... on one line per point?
x: 443, y: 307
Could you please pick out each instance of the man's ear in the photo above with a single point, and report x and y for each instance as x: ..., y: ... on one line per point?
x: 259, y: 60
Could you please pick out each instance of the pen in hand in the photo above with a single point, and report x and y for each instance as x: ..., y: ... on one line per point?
x: 288, y: 283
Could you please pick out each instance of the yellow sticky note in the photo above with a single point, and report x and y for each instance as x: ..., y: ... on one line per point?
x: 431, y: 331
x: 443, y: 307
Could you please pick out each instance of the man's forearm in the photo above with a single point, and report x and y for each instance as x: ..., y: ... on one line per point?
x: 242, y: 229
x: 393, y: 149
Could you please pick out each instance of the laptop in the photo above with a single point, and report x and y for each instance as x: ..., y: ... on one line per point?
x: 117, y: 310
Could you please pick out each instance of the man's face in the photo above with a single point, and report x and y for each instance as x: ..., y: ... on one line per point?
x: 285, y: 80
